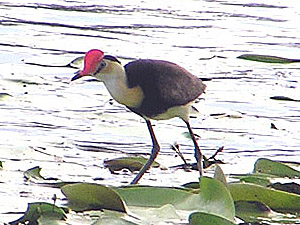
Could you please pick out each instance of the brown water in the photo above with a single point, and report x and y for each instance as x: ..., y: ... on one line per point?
x: 69, y: 129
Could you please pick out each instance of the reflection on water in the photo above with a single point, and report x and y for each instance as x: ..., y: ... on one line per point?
x: 79, y: 124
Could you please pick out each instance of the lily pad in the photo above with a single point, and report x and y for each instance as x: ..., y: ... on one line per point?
x: 250, y: 211
x: 255, y: 178
x: 267, y: 58
x: 41, y: 211
x: 201, y: 218
x: 130, y: 163
x: 213, y: 198
x: 288, y: 187
x: 279, y: 169
x: 149, y: 196
x: 86, y: 196
x: 34, y: 175
x: 279, y: 201
x: 219, y: 174
x: 191, y: 185
x: 158, y: 215
x: 113, y: 221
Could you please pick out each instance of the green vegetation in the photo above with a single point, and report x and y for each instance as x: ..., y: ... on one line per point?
x: 250, y: 198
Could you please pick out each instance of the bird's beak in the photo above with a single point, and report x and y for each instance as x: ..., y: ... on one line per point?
x: 77, y: 75
x: 81, y: 73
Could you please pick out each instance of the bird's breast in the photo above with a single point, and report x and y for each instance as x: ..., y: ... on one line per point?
x: 130, y: 97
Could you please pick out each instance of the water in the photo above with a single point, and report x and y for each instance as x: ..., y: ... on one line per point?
x: 69, y: 129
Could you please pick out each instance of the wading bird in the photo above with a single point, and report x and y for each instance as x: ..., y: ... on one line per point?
x: 153, y: 89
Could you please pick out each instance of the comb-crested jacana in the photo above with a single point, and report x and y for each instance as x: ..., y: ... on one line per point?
x: 153, y: 89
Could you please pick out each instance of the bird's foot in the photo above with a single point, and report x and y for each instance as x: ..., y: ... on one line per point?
x: 207, y: 162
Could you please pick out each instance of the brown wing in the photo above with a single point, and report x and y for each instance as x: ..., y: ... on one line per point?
x: 164, y: 85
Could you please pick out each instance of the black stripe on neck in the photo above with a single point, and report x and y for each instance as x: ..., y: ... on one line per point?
x: 112, y: 58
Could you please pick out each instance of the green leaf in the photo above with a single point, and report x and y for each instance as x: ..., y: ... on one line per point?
x: 219, y: 174
x: 130, y: 163
x: 191, y: 185
x: 277, y: 200
x: 267, y: 58
x: 217, y: 196
x: 109, y: 217
x: 268, y: 166
x: 255, y: 178
x: 33, y: 174
x: 40, y: 211
x: 113, y: 221
x: 154, y: 196
x: 213, y: 197
x: 157, y: 215
x: 201, y: 218
x: 288, y: 187
x: 85, y: 196
x: 251, y: 211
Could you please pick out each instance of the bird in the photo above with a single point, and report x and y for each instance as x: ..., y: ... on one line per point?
x: 153, y: 89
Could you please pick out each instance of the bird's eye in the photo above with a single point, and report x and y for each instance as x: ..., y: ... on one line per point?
x: 101, y: 66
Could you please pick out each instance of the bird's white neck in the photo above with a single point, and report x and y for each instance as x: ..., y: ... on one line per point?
x: 115, y: 80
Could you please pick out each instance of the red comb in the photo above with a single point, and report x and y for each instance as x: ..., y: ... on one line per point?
x: 91, y: 61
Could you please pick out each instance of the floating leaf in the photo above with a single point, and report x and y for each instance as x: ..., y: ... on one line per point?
x: 113, y: 221
x: 255, y: 178
x: 157, y: 215
x: 249, y: 211
x: 154, y: 196
x: 219, y: 174
x: 267, y: 58
x: 86, y: 196
x: 215, y: 193
x: 33, y: 174
x: 110, y: 217
x: 130, y: 163
x: 268, y: 166
x: 40, y: 211
x: 277, y: 200
x: 192, y: 185
x: 213, y: 197
x: 201, y: 218
x: 288, y: 187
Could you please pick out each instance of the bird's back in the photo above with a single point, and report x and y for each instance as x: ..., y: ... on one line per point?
x: 164, y: 85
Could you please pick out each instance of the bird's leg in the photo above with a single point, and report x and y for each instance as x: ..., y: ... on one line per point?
x: 154, y: 153
x: 198, y: 154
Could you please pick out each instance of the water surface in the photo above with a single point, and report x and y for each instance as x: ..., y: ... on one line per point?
x: 69, y: 129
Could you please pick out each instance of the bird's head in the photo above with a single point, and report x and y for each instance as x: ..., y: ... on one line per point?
x: 97, y: 64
